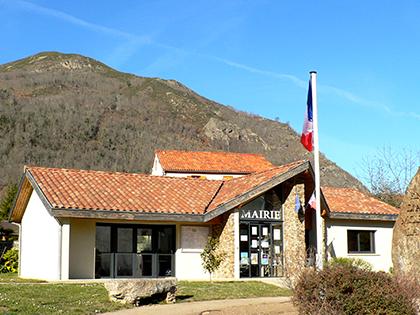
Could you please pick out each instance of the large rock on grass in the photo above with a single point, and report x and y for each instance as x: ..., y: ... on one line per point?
x: 137, y: 290
x: 406, y: 239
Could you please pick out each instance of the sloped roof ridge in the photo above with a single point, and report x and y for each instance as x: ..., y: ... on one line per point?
x: 297, y: 163
x: 224, y: 152
x: 78, y: 170
x: 75, y: 170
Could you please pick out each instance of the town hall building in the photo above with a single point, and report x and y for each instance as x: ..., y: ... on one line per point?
x: 96, y: 224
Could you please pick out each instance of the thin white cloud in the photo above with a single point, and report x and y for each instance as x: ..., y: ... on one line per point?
x: 282, y: 76
x: 118, y: 56
x: 122, y: 53
x: 366, y: 103
x: 403, y: 114
x: 32, y: 7
x: 322, y: 88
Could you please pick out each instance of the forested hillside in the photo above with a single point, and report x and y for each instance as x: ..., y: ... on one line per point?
x: 67, y: 110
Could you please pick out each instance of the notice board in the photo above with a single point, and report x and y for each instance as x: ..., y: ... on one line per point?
x: 193, y: 238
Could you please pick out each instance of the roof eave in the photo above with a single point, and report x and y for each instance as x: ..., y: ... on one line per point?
x: 10, y: 217
x: 26, y: 186
x: 126, y: 215
x: 363, y: 216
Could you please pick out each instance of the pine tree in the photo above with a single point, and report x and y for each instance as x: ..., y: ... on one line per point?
x: 7, y: 201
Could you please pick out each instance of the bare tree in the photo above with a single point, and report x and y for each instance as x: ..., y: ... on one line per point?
x: 388, y: 172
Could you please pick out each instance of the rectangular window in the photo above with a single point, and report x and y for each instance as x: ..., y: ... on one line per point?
x: 134, y: 250
x: 144, y: 240
x: 360, y: 241
x: 103, y: 239
x: 125, y: 240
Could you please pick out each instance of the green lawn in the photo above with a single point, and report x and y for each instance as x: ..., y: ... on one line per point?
x: 13, y: 278
x: 30, y: 298
x: 202, y: 290
x: 19, y: 296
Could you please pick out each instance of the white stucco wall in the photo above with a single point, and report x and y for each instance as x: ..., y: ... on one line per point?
x: 157, y: 169
x: 381, y: 259
x: 187, y: 260
x: 40, y: 245
x: 208, y: 176
x: 82, y: 249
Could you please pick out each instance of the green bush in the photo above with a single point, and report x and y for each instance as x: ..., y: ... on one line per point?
x: 9, y: 261
x: 350, y: 262
x: 339, y: 289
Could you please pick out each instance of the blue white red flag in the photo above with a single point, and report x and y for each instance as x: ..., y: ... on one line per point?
x: 308, y: 130
x: 312, y: 201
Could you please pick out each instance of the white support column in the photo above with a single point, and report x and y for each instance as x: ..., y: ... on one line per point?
x: 65, y: 251
x: 20, y: 251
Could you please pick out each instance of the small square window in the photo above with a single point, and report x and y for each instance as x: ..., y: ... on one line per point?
x: 360, y: 241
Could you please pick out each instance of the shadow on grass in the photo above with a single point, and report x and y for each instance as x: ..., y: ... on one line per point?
x: 159, y: 298
x: 183, y: 297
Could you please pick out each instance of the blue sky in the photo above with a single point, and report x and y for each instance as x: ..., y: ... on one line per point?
x: 253, y: 55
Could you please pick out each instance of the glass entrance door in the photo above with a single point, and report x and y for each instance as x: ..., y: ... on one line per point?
x: 260, y: 250
x: 265, y: 250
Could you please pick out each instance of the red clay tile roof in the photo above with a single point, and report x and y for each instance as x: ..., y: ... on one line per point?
x: 348, y: 200
x: 238, y: 186
x: 97, y: 190
x: 212, y: 162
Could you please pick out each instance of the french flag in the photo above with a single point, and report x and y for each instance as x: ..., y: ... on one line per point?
x: 308, y: 129
x: 312, y: 201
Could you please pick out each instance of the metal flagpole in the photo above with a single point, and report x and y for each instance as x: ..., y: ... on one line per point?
x: 319, y: 230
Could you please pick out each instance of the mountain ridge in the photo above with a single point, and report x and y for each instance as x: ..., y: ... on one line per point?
x: 67, y: 110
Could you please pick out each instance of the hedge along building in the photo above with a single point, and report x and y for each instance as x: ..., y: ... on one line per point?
x: 77, y: 224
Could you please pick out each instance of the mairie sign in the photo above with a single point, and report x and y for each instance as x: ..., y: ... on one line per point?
x: 260, y: 215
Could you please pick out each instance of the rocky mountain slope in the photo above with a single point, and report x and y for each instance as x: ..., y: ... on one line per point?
x: 67, y: 110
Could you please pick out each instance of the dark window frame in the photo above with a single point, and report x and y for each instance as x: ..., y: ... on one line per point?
x: 154, y: 227
x: 354, y: 236
x: 160, y: 257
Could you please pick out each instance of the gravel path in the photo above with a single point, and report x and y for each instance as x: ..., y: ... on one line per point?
x: 255, y: 306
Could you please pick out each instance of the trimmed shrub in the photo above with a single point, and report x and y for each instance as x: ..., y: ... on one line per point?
x: 350, y: 262
x: 9, y: 261
x: 341, y: 289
